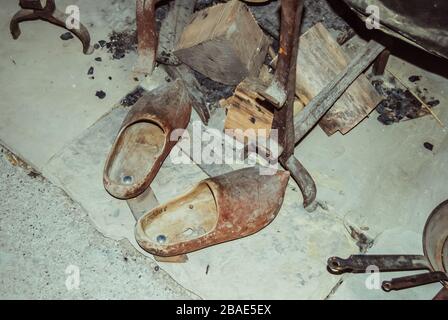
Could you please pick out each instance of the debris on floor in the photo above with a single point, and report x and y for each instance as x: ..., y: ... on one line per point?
x: 399, y: 104
x: 132, y: 97
x: 320, y: 59
x: 415, y: 78
x: 101, y: 94
x: 429, y: 146
x: 67, y: 36
x: 121, y: 43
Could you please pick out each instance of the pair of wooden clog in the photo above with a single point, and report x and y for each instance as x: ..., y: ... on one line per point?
x: 216, y: 210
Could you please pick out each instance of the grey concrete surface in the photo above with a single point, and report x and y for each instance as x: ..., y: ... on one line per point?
x: 43, y: 232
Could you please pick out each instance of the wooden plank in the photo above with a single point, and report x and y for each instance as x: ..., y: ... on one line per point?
x: 224, y: 43
x: 320, y: 104
x: 320, y: 60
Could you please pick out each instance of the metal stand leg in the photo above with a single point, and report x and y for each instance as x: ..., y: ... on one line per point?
x: 380, y: 64
x: 34, y: 10
x: 147, y: 36
x: 283, y: 118
x: 21, y: 15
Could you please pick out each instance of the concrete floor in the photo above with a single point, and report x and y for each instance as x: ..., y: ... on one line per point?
x: 43, y: 232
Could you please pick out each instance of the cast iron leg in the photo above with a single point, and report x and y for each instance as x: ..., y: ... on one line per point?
x: 147, y: 36
x: 20, y: 16
x: 381, y: 62
x: 33, y: 10
x: 306, y: 183
x: 284, y: 118
x: 59, y: 18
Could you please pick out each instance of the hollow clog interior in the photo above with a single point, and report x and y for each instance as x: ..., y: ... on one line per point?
x: 137, y: 148
x: 186, y: 218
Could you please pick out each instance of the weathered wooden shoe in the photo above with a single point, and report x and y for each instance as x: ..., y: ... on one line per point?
x: 217, y: 210
x: 143, y: 142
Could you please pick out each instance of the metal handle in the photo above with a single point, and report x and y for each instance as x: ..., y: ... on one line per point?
x: 414, y: 281
x: 384, y: 263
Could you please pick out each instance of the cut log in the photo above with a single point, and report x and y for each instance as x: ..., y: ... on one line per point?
x: 320, y: 60
x: 224, y: 43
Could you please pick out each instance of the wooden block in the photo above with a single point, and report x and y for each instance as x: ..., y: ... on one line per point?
x: 224, y: 43
x: 320, y: 60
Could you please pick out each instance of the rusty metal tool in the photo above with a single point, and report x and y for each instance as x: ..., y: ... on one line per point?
x: 283, y: 89
x: 315, y: 110
x: 46, y: 10
x: 279, y: 95
x: 435, y: 258
x: 414, y: 281
x: 147, y: 36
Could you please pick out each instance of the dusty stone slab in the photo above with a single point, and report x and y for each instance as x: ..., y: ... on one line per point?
x: 78, y: 169
x: 284, y: 261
